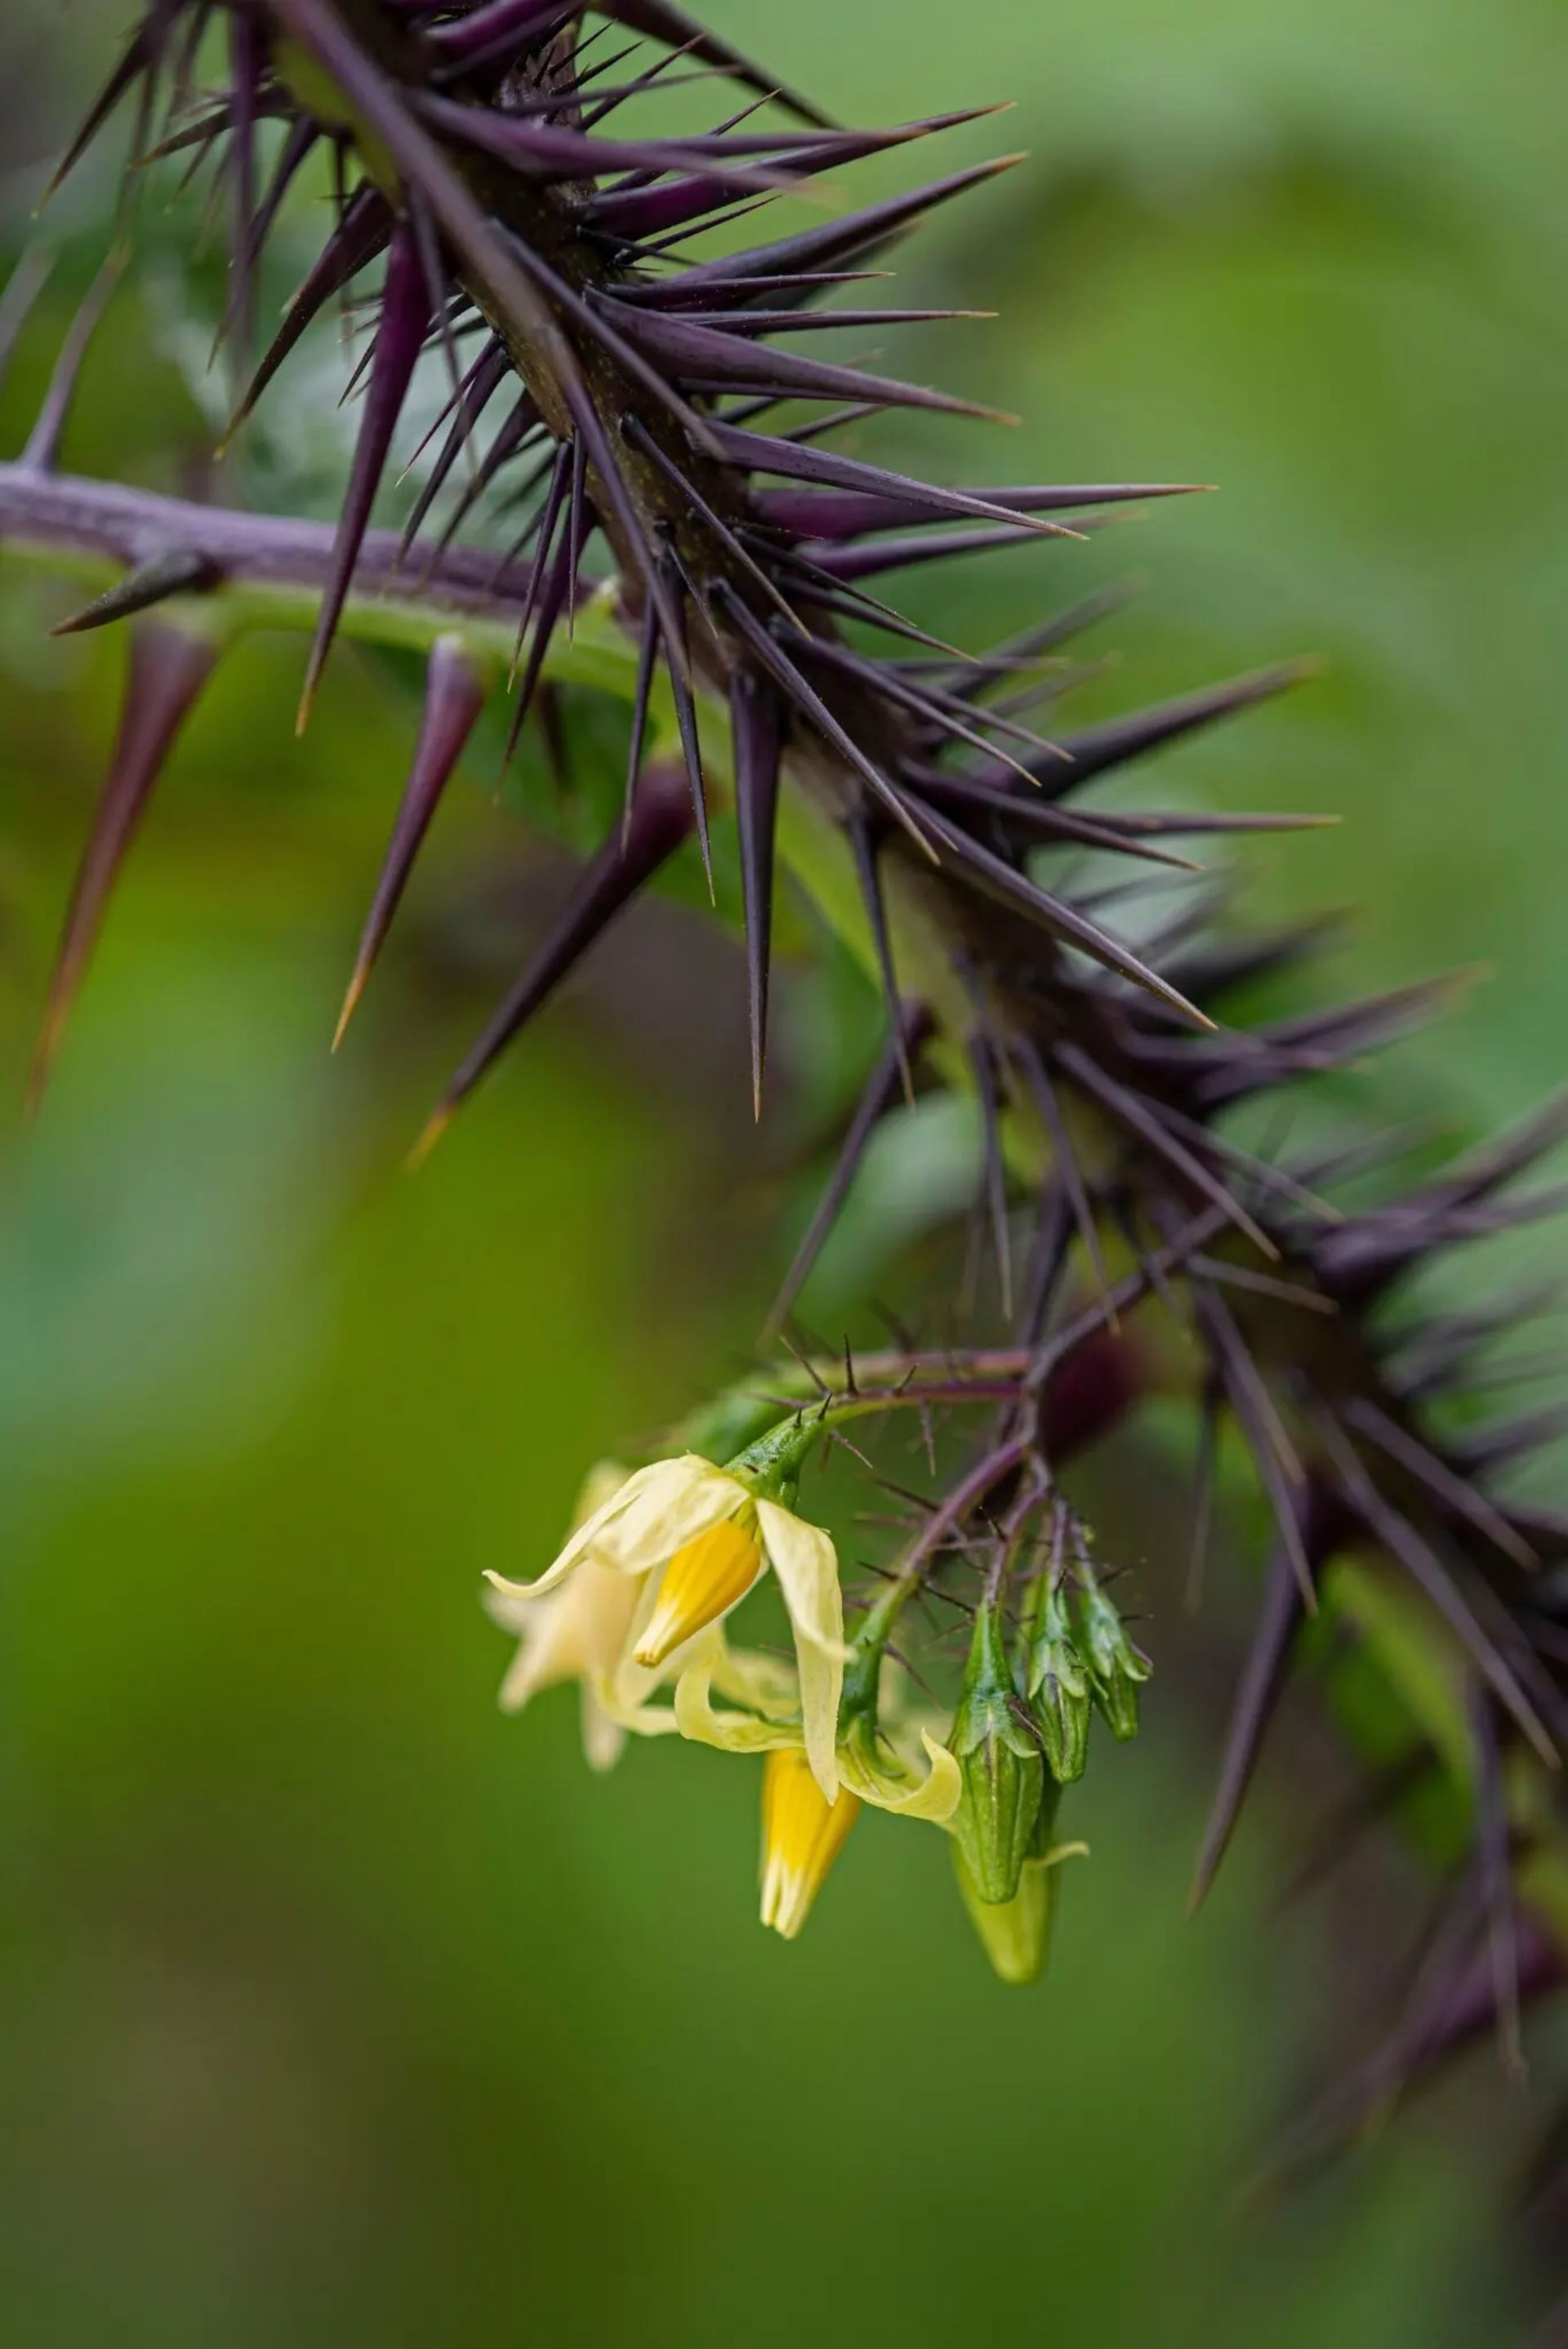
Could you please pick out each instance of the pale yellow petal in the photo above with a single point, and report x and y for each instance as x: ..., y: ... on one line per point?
x: 548, y: 1647
x: 803, y: 1558
x: 603, y: 1735
x: 894, y: 1785
x: 762, y: 1683
x: 646, y: 1489
x: 669, y: 1511
x: 730, y: 1732
x: 528, y: 1672
x: 580, y: 1627
x: 630, y: 1713
x: 601, y: 1483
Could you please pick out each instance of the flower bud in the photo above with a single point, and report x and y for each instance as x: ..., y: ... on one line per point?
x: 1058, y: 1690
x: 1117, y: 1671
x: 1002, y: 1770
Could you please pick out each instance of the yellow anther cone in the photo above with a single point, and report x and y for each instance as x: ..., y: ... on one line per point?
x: 704, y: 1580
x: 802, y: 1834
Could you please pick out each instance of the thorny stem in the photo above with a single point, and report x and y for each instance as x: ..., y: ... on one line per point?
x: 948, y: 1517
x: 1036, y: 1490
x: 1005, y: 1374
x: 270, y: 570
x: 469, y: 191
x: 519, y: 250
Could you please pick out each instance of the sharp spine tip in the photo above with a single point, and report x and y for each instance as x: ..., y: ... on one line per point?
x: 354, y: 991
x: 429, y: 1135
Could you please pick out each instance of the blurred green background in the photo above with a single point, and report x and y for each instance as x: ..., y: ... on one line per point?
x: 336, y: 2008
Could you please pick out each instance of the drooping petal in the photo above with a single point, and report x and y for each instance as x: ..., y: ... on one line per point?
x: 604, y: 1737
x: 665, y: 1513
x: 656, y: 1509
x: 762, y: 1683
x: 873, y: 1769
x: 881, y: 1777
x: 803, y: 1558
x: 576, y: 1629
x: 729, y: 1732
x: 624, y: 1697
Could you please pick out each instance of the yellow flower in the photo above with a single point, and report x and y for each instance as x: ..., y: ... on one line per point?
x: 695, y: 1538
x: 802, y: 1834
x: 577, y: 1632
x: 802, y: 1831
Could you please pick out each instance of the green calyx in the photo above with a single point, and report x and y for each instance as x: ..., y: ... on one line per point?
x: 772, y: 1463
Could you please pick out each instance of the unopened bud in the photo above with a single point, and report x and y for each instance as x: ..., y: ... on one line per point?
x: 1002, y: 1773
x: 1058, y: 1690
x: 1117, y: 1669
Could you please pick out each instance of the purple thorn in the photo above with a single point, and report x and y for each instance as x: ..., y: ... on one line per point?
x: 648, y: 658
x: 363, y: 230
x: 843, y: 240
x: 142, y: 55
x: 168, y: 671
x: 405, y: 316
x: 711, y: 357
x: 754, y: 723
x: 180, y: 572
x: 663, y: 22
x: 757, y: 453
x: 912, y: 1027
x: 1281, y: 1612
x: 44, y: 441
x: 661, y: 820
x: 454, y: 697
x: 246, y: 64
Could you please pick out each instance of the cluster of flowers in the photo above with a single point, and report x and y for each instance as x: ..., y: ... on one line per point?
x: 634, y: 1608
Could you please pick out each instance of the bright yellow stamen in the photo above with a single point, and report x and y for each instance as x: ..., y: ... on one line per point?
x: 702, y: 1582
x: 801, y: 1836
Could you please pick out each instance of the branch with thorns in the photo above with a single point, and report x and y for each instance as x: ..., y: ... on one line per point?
x: 680, y: 529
